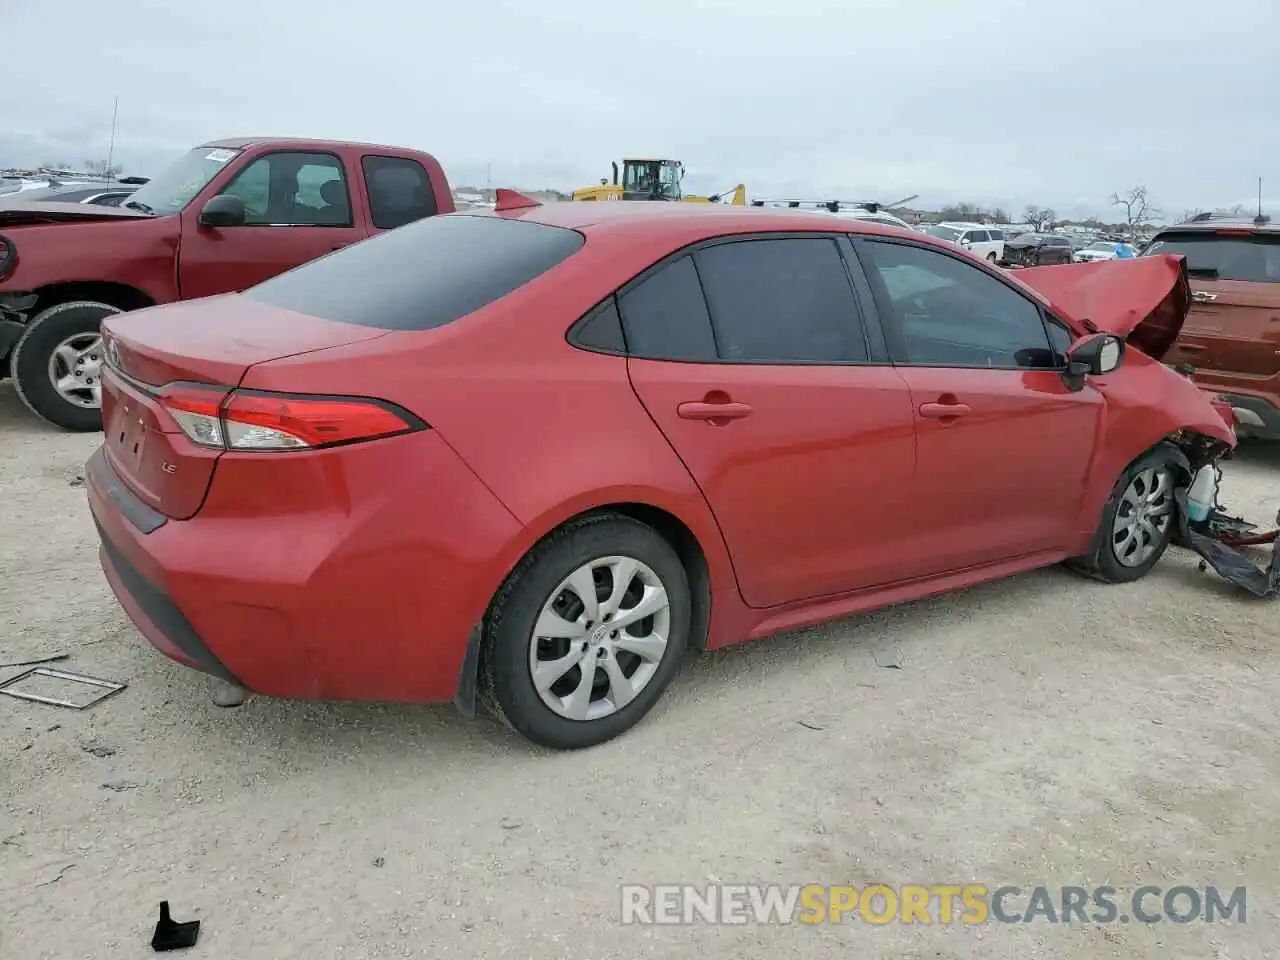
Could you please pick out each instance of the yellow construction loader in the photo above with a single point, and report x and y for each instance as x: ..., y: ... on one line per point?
x: 644, y: 179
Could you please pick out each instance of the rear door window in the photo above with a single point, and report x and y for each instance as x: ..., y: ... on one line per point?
x: 997, y: 235
x: 1254, y: 259
x: 785, y: 300
x: 399, y: 191
x: 424, y: 275
x: 665, y: 316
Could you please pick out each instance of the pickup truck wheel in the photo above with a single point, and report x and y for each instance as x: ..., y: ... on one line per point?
x: 56, y: 365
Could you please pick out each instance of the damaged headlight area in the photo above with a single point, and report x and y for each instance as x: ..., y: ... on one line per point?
x: 1205, y: 526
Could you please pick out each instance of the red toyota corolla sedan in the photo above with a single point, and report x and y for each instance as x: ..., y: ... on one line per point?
x: 527, y: 458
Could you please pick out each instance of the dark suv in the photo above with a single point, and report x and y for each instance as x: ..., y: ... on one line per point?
x: 1232, y: 335
x: 1037, y: 250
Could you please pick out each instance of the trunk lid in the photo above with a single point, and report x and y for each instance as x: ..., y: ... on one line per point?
x: 212, y: 341
x: 1145, y: 300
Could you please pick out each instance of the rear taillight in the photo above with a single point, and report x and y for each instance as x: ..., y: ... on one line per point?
x: 260, y: 420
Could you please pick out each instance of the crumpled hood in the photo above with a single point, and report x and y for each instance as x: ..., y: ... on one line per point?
x: 1145, y: 299
x: 16, y: 213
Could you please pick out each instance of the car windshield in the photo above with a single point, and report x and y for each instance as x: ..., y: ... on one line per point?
x: 945, y: 233
x: 1102, y: 246
x: 177, y: 185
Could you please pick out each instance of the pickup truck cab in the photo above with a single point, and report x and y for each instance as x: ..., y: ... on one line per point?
x: 225, y: 216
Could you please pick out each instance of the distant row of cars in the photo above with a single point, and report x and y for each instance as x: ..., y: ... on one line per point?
x: 103, y: 193
x: 1024, y: 249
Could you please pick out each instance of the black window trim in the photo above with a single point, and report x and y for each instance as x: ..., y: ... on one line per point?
x: 874, y: 338
x: 346, y: 185
x: 890, y: 326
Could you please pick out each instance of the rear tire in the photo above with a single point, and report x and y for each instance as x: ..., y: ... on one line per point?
x: 595, y: 683
x: 34, y: 367
x: 1139, y: 520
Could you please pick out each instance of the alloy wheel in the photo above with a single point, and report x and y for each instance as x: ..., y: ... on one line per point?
x: 75, y: 370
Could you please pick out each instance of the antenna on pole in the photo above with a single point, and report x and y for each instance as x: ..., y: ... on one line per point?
x: 1259, y: 198
x: 111, y: 150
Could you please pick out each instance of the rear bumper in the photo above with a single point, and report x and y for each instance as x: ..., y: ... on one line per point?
x: 352, y: 574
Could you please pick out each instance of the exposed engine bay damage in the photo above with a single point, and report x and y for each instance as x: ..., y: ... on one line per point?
x: 1220, y: 539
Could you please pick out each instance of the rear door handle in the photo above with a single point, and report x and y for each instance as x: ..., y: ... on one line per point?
x: 701, y: 410
x: 943, y: 411
x: 1191, y: 347
x: 1199, y: 296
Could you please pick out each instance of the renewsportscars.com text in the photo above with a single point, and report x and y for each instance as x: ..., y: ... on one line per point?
x: 942, y: 904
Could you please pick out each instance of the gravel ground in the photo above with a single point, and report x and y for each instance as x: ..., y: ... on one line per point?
x: 1039, y: 730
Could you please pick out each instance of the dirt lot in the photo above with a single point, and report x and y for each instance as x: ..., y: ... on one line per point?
x: 1041, y: 730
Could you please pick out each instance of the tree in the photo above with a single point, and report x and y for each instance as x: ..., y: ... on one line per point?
x: 1039, y: 217
x: 99, y: 168
x: 964, y: 212
x: 1235, y: 210
x: 1138, y: 209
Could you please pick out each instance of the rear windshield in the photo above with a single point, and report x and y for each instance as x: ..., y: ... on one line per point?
x: 425, y: 274
x: 1220, y: 256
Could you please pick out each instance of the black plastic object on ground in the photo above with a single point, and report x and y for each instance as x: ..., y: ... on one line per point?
x: 1229, y: 562
x: 173, y: 936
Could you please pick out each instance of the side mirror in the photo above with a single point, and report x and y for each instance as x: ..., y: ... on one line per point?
x: 223, y: 211
x: 1095, y: 355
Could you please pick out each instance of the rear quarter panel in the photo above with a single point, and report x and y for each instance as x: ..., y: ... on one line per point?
x: 551, y: 430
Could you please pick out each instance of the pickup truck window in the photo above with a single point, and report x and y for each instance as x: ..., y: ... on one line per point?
x: 399, y: 191
x: 290, y: 188
x: 424, y: 275
x: 176, y: 186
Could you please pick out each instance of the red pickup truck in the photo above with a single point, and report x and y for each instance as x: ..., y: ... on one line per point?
x: 227, y: 215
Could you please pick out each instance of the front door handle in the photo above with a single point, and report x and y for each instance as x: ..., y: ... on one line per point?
x: 943, y: 411
x: 1199, y: 296
x: 713, y: 412
x: 1191, y: 347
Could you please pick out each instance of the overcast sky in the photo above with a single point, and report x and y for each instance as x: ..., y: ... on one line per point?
x: 997, y: 101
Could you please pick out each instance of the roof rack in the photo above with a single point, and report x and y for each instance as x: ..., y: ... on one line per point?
x: 1260, y: 220
x: 833, y: 206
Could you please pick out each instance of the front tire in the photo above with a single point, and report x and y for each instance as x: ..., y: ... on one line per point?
x: 1138, y: 522
x: 991, y: 258
x: 57, y: 364
x: 587, y: 632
